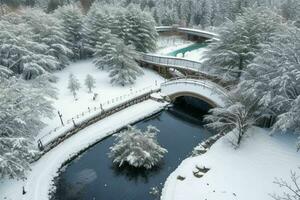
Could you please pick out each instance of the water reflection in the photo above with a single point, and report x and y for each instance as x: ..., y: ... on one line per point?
x: 93, y: 176
x: 136, y: 174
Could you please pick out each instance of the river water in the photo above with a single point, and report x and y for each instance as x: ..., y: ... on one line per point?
x: 92, y: 176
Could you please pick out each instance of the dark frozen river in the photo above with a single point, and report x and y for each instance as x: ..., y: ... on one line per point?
x: 92, y: 176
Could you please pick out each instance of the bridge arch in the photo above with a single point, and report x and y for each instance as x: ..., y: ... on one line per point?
x: 207, y: 91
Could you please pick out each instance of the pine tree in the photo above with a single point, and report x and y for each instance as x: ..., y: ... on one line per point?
x: 23, y: 104
x: 97, y: 19
x: 48, y: 30
x: 137, y: 148
x: 124, y: 69
x: 290, y: 10
x: 74, y: 85
x: 5, y: 72
x: 121, y: 26
x: 240, y: 41
x: 142, y: 33
x: 274, y: 74
x: 72, y: 20
x: 105, y: 48
x: 273, y: 77
x: 19, y: 52
x: 90, y: 82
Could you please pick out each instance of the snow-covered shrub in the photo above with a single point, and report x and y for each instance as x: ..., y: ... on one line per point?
x: 137, y: 148
x: 73, y: 85
x: 23, y: 104
x: 236, y: 117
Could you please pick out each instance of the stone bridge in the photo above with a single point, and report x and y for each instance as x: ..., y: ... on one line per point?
x: 205, y: 90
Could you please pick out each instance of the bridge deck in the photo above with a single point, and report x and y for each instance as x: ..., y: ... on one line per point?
x: 173, y: 62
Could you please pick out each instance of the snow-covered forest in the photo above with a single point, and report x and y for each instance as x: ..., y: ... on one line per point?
x: 256, y: 55
x: 203, y: 13
x: 35, y: 44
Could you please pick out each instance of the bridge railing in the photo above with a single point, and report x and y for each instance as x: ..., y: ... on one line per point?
x: 198, y: 32
x: 192, y: 31
x: 173, y: 62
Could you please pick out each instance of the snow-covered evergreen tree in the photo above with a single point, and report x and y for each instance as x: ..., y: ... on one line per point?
x: 23, y: 104
x: 125, y: 69
x: 97, y: 19
x: 90, y: 82
x: 274, y: 74
x: 137, y: 148
x: 73, y: 85
x: 273, y: 77
x: 72, y: 19
x: 239, y: 114
x: 240, y: 41
x: 121, y: 25
x: 104, y: 49
x: 20, y: 53
x: 142, y: 33
x: 290, y: 10
x: 48, y: 30
x: 5, y: 72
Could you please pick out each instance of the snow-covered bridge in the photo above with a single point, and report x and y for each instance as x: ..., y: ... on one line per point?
x: 205, y: 90
x: 189, y: 31
x: 174, y: 62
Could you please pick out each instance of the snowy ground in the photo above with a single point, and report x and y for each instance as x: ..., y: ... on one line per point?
x: 196, y: 55
x: 70, y: 108
x: 244, y: 174
x: 168, y: 44
x: 39, y: 180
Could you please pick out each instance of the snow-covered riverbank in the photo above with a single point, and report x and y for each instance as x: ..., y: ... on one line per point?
x: 246, y: 173
x: 39, y: 180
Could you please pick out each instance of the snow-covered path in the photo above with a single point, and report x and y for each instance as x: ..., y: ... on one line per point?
x: 70, y: 108
x: 243, y: 174
x: 39, y: 180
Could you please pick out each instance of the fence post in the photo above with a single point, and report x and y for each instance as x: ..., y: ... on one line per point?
x: 40, y: 145
x: 60, y: 116
x: 74, y: 123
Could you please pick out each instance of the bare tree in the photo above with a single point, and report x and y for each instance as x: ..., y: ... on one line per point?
x: 239, y: 113
x: 292, y: 189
